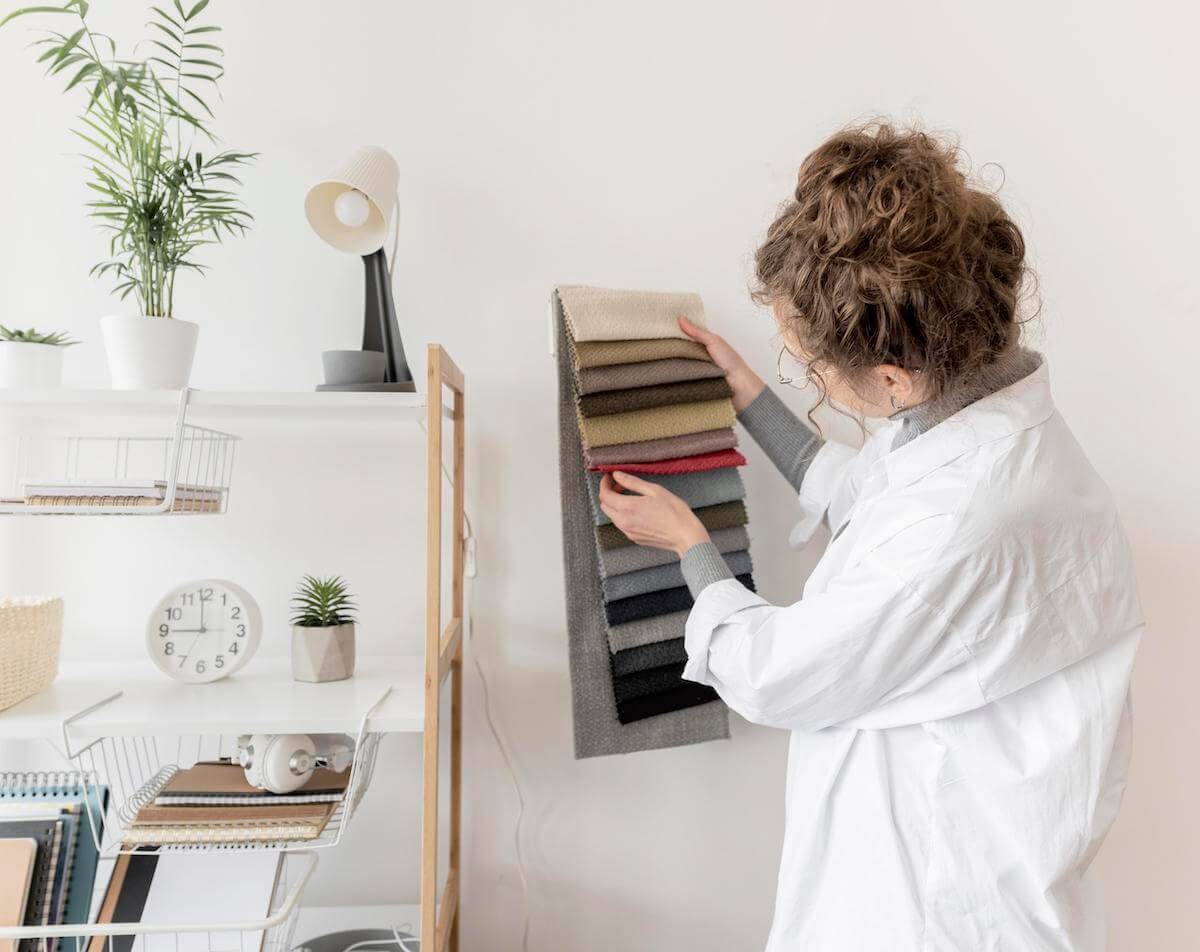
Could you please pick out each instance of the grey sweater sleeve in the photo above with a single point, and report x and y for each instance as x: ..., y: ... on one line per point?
x: 788, y: 443
x: 702, y: 565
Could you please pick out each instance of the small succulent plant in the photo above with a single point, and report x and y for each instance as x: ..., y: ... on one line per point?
x: 31, y: 336
x: 322, y: 603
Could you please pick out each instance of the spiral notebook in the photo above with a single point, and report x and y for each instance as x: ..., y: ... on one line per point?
x: 78, y: 807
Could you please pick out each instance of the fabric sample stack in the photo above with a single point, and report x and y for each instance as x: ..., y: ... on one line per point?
x: 637, y: 395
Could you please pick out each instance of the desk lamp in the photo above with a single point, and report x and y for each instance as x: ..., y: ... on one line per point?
x: 351, y: 209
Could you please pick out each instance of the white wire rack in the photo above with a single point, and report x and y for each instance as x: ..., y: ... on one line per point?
x: 271, y: 933
x: 128, y: 772
x: 44, y: 471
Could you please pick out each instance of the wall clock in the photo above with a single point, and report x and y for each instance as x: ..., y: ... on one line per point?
x: 203, y: 630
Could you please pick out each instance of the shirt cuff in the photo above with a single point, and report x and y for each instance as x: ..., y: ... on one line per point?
x: 713, y: 606
x: 702, y: 565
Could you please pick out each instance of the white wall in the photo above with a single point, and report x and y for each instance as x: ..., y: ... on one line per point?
x: 631, y: 144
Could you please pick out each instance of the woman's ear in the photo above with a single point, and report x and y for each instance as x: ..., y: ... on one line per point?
x: 899, y: 386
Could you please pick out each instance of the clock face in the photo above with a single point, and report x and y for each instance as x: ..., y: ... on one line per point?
x: 203, y: 630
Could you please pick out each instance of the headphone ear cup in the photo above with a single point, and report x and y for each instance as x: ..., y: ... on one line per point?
x: 287, y: 762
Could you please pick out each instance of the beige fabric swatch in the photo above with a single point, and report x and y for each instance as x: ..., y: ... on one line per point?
x: 610, y: 314
x: 607, y: 353
x: 647, y: 374
x: 657, y: 422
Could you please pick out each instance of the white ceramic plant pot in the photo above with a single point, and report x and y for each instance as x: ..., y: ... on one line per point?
x: 149, y: 353
x: 323, y: 654
x: 30, y: 365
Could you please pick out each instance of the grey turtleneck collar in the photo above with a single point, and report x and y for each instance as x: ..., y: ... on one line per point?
x: 996, y: 376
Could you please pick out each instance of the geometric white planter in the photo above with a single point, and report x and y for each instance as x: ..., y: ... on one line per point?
x: 149, y: 353
x: 323, y: 654
x: 30, y: 365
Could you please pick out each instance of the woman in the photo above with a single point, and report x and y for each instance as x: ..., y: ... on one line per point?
x: 956, y: 674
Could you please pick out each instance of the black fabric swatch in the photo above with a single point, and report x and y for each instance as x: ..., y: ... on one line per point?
x: 644, y: 657
x: 656, y: 603
x: 688, y: 694
x: 641, y: 683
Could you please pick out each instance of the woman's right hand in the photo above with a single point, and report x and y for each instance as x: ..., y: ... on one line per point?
x: 744, y: 382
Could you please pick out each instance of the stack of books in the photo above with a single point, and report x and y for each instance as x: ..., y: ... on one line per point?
x: 50, y: 829
x: 213, y: 803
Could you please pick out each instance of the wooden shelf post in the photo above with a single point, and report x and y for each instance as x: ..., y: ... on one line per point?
x: 443, y: 656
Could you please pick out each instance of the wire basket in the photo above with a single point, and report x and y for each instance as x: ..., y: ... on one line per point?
x: 30, y: 635
x: 129, y: 772
x: 270, y: 933
x: 44, y: 471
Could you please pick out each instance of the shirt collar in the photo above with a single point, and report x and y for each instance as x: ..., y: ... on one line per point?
x: 1024, y: 404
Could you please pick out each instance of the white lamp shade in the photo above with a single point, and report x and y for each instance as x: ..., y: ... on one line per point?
x: 371, y: 171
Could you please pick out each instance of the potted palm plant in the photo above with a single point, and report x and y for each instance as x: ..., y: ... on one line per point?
x: 31, y: 358
x: 322, y: 630
x: 158, y: 193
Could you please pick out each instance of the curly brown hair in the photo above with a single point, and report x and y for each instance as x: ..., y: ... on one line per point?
x: 888, y: 254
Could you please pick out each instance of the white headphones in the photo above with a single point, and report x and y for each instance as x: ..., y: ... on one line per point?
x: 282, y: 763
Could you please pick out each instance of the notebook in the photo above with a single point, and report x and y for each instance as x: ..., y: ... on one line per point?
x: 17, y: 859
x: 223, y: 783
x: 49, y: 795
x: 205, y: 888
x: 229, y: 886
x: 228, y: 824
x: 48, y: 835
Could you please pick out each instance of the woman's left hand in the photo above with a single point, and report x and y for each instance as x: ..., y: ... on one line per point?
x: 650, y: 515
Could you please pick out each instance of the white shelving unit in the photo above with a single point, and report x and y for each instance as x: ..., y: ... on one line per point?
x: 114, y: 722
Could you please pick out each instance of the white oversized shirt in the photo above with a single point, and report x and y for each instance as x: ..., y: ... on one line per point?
x: 956, y: 681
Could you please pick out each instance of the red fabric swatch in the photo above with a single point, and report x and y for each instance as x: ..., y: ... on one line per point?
x: 685, y: 464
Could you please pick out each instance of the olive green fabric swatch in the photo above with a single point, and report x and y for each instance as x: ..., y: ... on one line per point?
x: 657, y: 422
x: 722, y: 516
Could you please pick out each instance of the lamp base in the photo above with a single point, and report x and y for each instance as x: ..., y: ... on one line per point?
x: 404, y: 386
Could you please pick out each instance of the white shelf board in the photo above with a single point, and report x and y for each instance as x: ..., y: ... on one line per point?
x: 262, y: 698
x: 295, y: 405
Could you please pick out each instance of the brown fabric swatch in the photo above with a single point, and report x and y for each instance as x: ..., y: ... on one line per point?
x: 722, y: 516
x: 661, y: 395
x: 647, y: 374
x: 657, y: 422
x: 604, y: 353
x: 671, y: 447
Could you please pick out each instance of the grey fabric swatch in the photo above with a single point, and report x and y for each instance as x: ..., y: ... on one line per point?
x: 696, y: 489
x: 788, y: 443
x: 597, y: 729
x: 634, y: 558
x: 669, y: 447
x: 646, y: 631
x: 702, y: 565
x: 648, y: 374
x: 672, y: 575
x: 654, y: 655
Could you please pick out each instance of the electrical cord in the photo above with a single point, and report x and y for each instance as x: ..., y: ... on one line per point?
x: 501, y: 746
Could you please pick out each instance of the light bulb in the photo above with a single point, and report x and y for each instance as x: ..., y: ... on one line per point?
x: 351, y: 208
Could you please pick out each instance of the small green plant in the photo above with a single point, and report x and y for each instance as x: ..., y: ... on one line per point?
x: 31, y: 336
x: 322, y: 603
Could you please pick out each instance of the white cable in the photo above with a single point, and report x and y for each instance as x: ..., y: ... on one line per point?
x: 468, y: 614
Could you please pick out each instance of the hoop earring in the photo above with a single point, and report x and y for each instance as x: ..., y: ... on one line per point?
x: 895, y: 405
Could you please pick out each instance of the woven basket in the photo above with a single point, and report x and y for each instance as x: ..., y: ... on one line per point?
x: 30, y: 633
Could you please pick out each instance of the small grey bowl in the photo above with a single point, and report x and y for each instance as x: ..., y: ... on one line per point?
x: 344, y: 367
